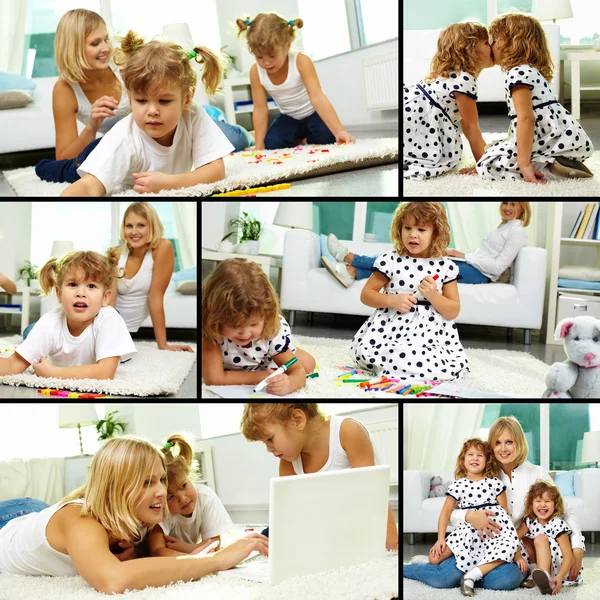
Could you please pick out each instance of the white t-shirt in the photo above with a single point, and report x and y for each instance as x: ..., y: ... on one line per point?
x: 106, y: 336
x: 126, y: 149
x: 132, y: 297
x: 209, y: 519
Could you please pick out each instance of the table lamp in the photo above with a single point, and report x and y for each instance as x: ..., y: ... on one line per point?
x: 61, y: 247
x: 297, y: 215
x: 552, y: 9
x: 591, y: 447
x: 77, y: 415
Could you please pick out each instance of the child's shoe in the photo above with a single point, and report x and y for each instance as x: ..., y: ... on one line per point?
x: 576, y: 165
x: 569, y: 169
x: 528, y: 583
x: 467, y: 589
x: 337, y: 250
x: 339, y: 271
x: 542, y: 580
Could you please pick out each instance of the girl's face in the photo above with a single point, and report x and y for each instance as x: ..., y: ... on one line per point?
x: 511, y: 210
x: 157, y: 112
x: 474, y: 461
x: 416, y: 238
x: 282, y: 442
x: 150, y: 508
x: 543, y: 508
x: 136, y: 230
x: 182, y: 497
x: 274, y: 62
x: 497, y: 47
x: 245, y: 334
x: 484, y: 54
x: 505, y: 448
x: 97, y: 48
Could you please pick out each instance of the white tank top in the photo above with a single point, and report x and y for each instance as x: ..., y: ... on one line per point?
x: 291, y: 96
x: 84, y: 106
x: 132, y: 297
x: 338, y: 459
x: 24, y: 548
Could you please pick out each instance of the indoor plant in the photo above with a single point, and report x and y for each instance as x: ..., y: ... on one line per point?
x: 30, y: 273
x: 107, y: 427
x: 251, y: 230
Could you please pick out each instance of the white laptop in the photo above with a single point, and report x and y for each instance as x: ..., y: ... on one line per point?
x: 322, y: 521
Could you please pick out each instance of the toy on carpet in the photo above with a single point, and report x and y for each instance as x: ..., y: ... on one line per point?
x: 579, y: 376
x: 68, y: 394
x: 268, y: 188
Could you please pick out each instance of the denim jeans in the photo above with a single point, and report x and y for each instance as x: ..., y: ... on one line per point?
x: 469, y: 274
x: 236, y: 134
x: 11, y: 509
x: 507, y: 576
x: 363, y: 265
x: 64, y: 171
x: 285, y: 131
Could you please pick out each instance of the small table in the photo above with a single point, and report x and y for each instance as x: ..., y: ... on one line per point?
x: 23, y: 312
x: 576, y: 87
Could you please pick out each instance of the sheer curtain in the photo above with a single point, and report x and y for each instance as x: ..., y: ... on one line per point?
x: 13, y: 16
x: 187, y: 231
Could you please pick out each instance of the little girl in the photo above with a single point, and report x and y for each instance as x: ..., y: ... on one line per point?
x: 306, y: 441
x: 476, y: 487
x: 291, y: 79
x: 166, y: 136
x: 195, y: 510
x: 244, y: 338
x: 434, y: 106
x: 84, y: 337
x: 543, y: 523
x: 409, y: 338
x: 551, y: 142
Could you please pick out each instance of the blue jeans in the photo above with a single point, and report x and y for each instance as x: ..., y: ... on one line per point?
x: 11, y: 509
x: 469, y: 274
x: 507, y: 576
x: 236, y: 134
x: 285, y: 131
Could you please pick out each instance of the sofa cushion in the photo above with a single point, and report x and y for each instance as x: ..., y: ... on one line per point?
x: 565, y: 482
x: 14, y: 99
x: 187, y: 287
x: 12, y: 81
x: 185, y: 275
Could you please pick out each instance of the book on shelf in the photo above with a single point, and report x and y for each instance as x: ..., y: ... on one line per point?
x: 596, y: 235
x: 584, y: 222
x: 577, y: 224
x: 591, y: 228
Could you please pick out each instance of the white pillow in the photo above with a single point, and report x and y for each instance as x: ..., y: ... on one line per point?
x: 574, y: 272
x: 14, y: 99
x: 187, y: 287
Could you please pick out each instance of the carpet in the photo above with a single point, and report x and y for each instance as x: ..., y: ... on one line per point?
x: 454, y: 185
x: 500, y: 371
x: 375, y: 580
x: 247, y: 169
x: 588, y: 590
x: 150, y: 372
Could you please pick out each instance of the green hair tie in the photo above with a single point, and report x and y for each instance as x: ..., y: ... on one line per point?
x: 191, y: 54
x: 134, y: 47
x: 168, y: 445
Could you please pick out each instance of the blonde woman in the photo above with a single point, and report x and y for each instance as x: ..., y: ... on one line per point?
x: 91, y: 531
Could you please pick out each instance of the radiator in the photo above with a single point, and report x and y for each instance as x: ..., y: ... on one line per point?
x: 384, y: 435
x: 381, y: 81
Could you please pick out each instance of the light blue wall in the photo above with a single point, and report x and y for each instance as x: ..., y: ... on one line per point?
x: 441, y: 13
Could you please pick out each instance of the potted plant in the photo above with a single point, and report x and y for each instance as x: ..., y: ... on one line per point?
x: 229, y: 59
x: 251, y: 230
x: 29, y: 272
x: 107, y: 427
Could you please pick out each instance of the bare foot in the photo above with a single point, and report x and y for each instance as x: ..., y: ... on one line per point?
x: 349, y: 258
x: 351, y: 271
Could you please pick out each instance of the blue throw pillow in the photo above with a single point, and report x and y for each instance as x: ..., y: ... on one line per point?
x: 12, y: 81
x: 185, y: 275
x: 565, y: 482
x: 325, y: 251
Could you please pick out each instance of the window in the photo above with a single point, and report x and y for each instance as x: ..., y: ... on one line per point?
x: 583, y: 27
x: 441, y: 13
x: 379, y: 20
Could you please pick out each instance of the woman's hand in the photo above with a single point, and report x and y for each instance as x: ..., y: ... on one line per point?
x: 176, y: 348
x: 238, y: 551
x: 44, y: 368
x: 428, y: 288
x: 438, y: 548
x: 456, y: 254
x: 173, y: 543
x: 104, y: 107
x: 343, y: 137
x: 576, y: 566
x: 402, y: 302
x: 531, y: 175
x: 280, y: 385
x: 152, y: 181
x: 479, y: 520
x: 468, y: 171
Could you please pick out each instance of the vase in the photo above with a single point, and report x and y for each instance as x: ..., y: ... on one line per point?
x: 597, y: 45
x: 254, y: 246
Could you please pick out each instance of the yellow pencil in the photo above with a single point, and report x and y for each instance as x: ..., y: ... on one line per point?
x: 268, y: 188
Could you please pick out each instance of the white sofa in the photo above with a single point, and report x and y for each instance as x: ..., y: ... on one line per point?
x: 421, y: 45
x: 307, y: 286
x: 421, y: 513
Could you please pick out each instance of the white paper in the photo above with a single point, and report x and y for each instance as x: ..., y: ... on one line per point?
x: 451, y: 389
x: 243, y: 391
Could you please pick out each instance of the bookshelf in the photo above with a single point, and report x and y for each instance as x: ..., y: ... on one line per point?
x: 557, y: 239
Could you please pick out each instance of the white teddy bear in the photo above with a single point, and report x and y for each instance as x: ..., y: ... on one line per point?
x: 579, y: 376
x: 438, y: 487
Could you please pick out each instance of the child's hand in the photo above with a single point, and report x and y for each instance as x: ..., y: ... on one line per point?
x: 126, y: 551
x: 428, y: 288
x: 280, y: 385
x: 468, y: 171
x: 173, y: 543
x: 438, y: 548
x: 44, y: 368
x: 531, y: 175
x: 402, y: 302
x: 557, y: 584
x: 344, y: 137
x: 152, y: 181
x: 521, y: 563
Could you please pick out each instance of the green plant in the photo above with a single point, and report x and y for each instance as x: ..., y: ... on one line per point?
x: 107, y: 427
x: 30, y: 271
x: 229, y: 59
x: 251, y: 228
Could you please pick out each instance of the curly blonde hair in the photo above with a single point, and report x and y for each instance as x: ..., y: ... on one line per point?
x: 491, y: 468
x: 457, y: 50
x: 537, y: 490
x: 525, y: 217
x: 257, y: 415
x: 424, y: 213
x: 268, y: 32
x: 234, y: 294
x: 524, y: 42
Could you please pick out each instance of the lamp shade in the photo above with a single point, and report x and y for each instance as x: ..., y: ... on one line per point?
x: 61, y: 247
x: 553, y: 9
x: 591, y: 447
x: 298, y: 215
x: 73, y: 415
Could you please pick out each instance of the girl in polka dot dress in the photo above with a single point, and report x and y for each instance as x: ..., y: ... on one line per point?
x: 434, y: 106
x: 476, y: 487
x: 551, y: 142
x: 413, y: 337
x: 543, y: 523
x: 244, y: 338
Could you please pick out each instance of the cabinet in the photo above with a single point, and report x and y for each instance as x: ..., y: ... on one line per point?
x: 230, y: 110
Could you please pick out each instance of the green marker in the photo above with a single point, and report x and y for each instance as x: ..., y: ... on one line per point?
x: 312, y: 375
x: 354, y: 380
x: 263, y: 384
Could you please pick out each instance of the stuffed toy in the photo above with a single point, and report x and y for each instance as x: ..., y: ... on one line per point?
x: 437, y: 487
x: 579, y: 376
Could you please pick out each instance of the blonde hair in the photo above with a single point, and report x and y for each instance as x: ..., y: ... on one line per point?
x: 69, y: 43
x: 424, y: 213
x: 236, y: 292
x: 97, y: 268
x: 155, y: 226
x: 114, y: 484
x: 516, y: 433
x: 524, y: 43
x: 457, y: 50
x: 257, y: 415
x: 180, y: 465
x: 491, y: 468
x: 525, y: 217
x: 158, y: 64
x: 537, y: 490
x: 268, y: 32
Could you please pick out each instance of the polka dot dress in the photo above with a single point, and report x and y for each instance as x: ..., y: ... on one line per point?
x: 432, y: 142
x: 556, y: 132
x: 553, y: 529
x: 416, y: 346
x: 257, y: 356
x: 464, y: 541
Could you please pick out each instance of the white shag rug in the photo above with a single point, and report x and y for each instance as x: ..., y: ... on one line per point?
x: 500, y: 371
x: 246, y: 169
x: 375, y: 580
x: 454, y: 185
x: 588, y: 590
x: 150, y: 372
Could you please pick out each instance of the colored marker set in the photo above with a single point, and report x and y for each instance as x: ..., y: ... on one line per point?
x: 68, y: 394
x: 352, y: 375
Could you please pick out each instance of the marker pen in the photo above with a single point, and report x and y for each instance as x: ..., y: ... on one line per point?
x: 263, y: 384
x: 417, y: 294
